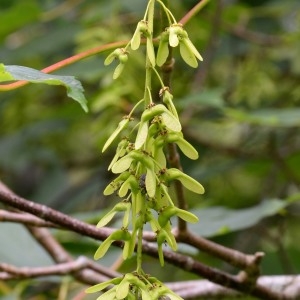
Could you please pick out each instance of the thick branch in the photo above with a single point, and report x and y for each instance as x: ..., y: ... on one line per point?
x: 182, y: 261
x: 28, y: 219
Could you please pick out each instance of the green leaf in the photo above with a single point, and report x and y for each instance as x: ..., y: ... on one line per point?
x: 73, y: 86
x: 215, y: 219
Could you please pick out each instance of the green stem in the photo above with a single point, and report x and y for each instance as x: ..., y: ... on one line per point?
x: 139, y: 252
x: 148, y: 78
x: 148, y: 101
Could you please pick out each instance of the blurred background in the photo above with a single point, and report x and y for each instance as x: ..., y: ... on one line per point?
x: 240, y: 109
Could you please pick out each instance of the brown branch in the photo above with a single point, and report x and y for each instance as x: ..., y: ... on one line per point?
x: 239, y: 283
x: 94, y: 273
x: 184, y: 262
x: 232, y: 257
x: 26, y: 219
x: 11, y: 272
x: 203, y: 289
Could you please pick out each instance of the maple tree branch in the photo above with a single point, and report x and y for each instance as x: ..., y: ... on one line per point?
x: 238, y: 282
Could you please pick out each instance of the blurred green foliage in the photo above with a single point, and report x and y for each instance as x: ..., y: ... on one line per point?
x: 240, y: 109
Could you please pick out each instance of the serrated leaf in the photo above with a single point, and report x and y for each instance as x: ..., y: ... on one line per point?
x: 73, y: 86
x: 187, y: 54
x: 187, y: 149
x: 122, y: 125
x: 141, y: 135
x: 122, y: 164
x: 171, y: 121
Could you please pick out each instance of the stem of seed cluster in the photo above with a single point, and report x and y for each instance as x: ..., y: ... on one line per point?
x: 148, y: 101
x: 148, y: 63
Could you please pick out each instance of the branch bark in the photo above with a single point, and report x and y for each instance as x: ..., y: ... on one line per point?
x: 239, y: 282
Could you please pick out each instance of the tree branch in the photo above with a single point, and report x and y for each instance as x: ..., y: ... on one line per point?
x: 240, y: 283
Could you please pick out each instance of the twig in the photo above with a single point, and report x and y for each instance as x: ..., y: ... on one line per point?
x: 12, y: 272
x: 233, y: 257
x: 203, y: 289
x: 184, y: 262
x: 26, y: 219
x: 193, y: 12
